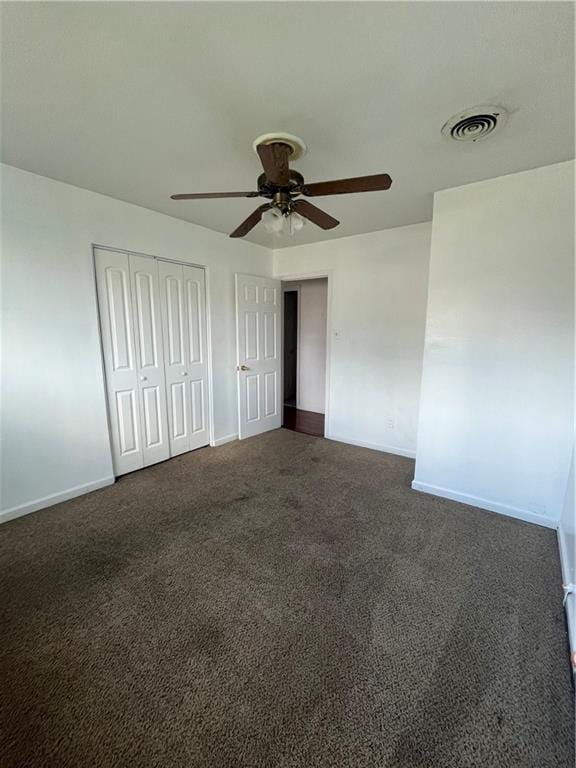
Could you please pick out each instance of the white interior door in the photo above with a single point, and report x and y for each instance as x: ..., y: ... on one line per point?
x: 258, y: 352
x: 115, y: 302
x: 149, y: 358
x: 184, y: 329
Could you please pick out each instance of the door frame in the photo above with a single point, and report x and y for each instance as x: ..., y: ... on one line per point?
x: 300, y: 277
x: 295, y: 289
x: 208, y: 307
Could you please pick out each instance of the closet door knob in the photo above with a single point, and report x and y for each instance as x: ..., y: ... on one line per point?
x: 184, y: 373
x: 143, y: 378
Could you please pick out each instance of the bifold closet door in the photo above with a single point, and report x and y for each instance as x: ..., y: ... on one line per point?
x: 149, y: 349
x: 129, y: 301
x: 183, y: 290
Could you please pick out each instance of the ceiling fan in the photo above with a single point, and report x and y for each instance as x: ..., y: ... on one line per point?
x: 282, y: 186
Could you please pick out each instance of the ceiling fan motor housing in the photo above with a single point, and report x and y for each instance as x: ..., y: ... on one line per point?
x: 280, y: 197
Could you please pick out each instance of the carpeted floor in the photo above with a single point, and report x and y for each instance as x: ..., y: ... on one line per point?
x: 283, y: 602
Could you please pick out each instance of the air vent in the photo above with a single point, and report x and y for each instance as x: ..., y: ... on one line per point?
x: 475, y: 124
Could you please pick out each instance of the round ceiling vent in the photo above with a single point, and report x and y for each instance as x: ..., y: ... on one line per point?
x: 475, y: 124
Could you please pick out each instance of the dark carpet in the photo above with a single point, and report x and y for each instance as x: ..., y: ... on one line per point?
x: 284, y: 602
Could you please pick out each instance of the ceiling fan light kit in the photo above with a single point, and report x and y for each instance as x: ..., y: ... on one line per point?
x: 273, y: 221
x: 276, y: 223
x: 281, y: 185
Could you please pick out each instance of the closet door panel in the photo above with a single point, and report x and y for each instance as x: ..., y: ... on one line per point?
x: 150, y: 358
x: 176, y: 343
x: 194, y: 292
x: 174, y: 316
x: 154, y: 419
x: 179, y: 410
x: 118, y: 298
x: 197, y: 400
x: 196, y: 365
x: 145, y: 295
x: 118, y: 346
x: 128, y: 428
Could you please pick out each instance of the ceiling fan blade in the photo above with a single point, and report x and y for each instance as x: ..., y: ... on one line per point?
x: 251, y: 221
x: 210, y: 195
x: 314, y: 214
x: 274, y: 159
x: 346, y: 186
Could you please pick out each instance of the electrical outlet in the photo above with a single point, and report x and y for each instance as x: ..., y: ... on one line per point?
x: 390, y: 423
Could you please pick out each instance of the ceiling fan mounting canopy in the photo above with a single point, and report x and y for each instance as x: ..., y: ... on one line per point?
x: 294, y: 142
x: 281, y: 185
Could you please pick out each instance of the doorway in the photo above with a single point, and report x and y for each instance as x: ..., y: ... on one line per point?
x: 304, y: 362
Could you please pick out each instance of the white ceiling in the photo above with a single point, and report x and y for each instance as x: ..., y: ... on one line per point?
x: 142, y: 100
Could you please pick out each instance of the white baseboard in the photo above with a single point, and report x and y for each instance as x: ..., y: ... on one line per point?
x: 570, y: 588
x: 54, y: 498
x: 224, y: 440
x: 564, y: 562
x: 375, y: 446
x: 491, y: 506
x: 570, y: 608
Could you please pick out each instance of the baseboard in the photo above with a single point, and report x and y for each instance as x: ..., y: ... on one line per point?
x: 570, y: 591
x: 54, y: 498
x: 375, y: 446
x: 570, y: 607
x: 563, y: 548
x: 224, y: 440
x: 492, y: 506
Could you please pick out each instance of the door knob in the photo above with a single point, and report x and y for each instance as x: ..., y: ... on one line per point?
x: 184, y: 373
x: 143, y: 378
x: 242, y: 368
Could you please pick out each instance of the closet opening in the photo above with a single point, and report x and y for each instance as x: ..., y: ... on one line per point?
x: 305, y: 305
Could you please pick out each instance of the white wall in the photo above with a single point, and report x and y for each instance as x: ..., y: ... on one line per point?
x: 54, y: 422
x: 496, y: 413
x: 376, y: 315
x: 312, y: 307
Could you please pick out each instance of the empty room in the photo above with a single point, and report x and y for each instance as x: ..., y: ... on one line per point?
x: 287, y: 406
